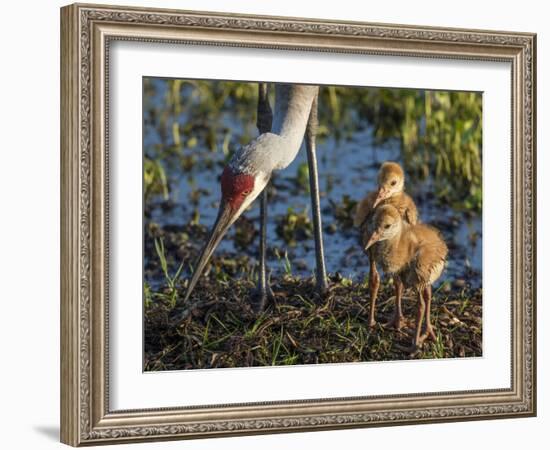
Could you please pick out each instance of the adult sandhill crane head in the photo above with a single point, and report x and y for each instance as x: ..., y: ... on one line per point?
x: 391, y: 181
x: 240, y: 186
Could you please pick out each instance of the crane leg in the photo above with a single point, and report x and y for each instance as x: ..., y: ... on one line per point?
x: 429, y: 331
x: 420, y: 312
x: 398, y: 319
x: 311, y: 133
x: 264, y: 120
x: 374, y: 285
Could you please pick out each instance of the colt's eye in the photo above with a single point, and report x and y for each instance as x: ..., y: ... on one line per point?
x: 393, y: 183
x: 387, y: 226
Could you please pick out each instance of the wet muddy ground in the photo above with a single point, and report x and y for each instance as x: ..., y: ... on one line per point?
x: 220, y: 329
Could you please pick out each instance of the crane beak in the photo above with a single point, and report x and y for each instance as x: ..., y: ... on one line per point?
x: 375, y: 237
x: 382, y: 194
x: 226, y: 216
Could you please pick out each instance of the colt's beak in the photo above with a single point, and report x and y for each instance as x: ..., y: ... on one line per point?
x: 372, y: 240
x: 226, y: 216
x: 382, y: 194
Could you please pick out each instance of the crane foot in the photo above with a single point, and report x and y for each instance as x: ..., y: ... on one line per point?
x: 321, y: 287
x: 429, y: 333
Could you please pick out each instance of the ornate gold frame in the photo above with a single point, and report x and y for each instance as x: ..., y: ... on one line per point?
x: 86, y: 31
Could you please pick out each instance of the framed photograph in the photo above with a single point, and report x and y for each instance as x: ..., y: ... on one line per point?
x: 277, y: 225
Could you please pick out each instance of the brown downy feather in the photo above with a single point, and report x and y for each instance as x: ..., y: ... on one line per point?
x: 417, y: 254
x: 427, y: 255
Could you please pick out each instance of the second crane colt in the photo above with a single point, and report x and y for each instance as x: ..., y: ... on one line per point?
x: 414, y: 255
x: 391, y: 183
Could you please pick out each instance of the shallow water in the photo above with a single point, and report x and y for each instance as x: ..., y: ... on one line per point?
x: 347, y: 167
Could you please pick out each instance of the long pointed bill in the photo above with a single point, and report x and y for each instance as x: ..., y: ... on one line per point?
x: 382, y: 194
x: 225, y: 218
x: 372, y: 240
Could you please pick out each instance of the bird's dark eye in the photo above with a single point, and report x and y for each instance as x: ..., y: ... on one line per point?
x: 387, y: 226
x: 245, y: 193
x: 393, y: 183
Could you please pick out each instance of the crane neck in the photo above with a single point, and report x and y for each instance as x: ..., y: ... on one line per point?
x: 292, y: 109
